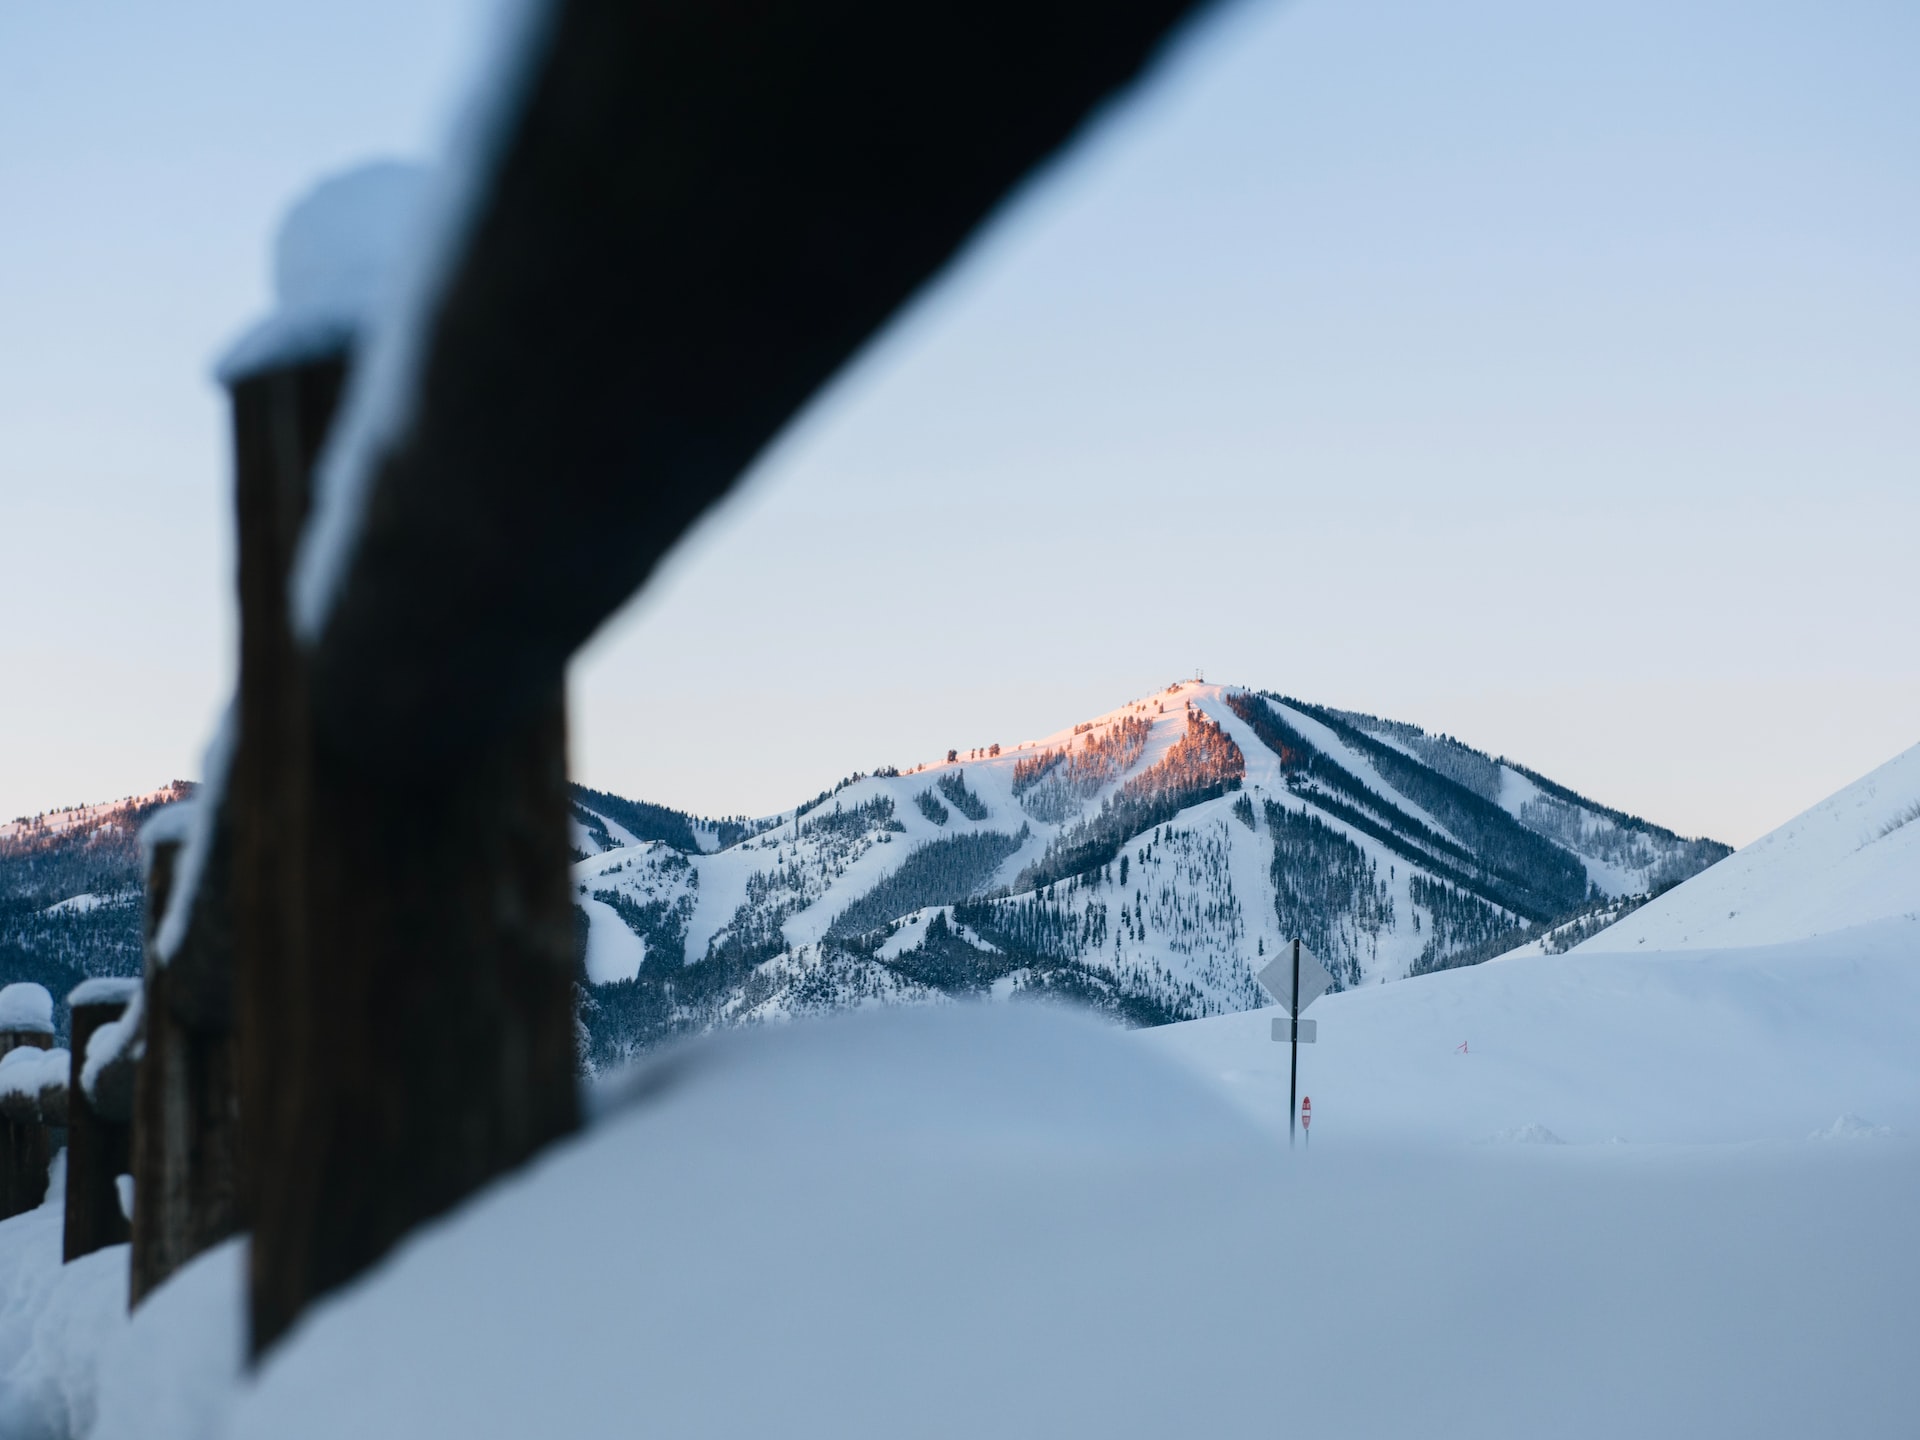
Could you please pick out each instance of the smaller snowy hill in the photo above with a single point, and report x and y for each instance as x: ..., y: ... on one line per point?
x: 1728, y: 1046
x: 70, y: 891
x: 1851, y: 860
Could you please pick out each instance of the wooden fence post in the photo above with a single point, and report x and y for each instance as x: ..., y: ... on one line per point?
x: 26, y: 1012
x: 694, y: 219
x: 98, y: 1145
x: 280, y: 421
x: 186, y: 1122
x: 429, y: 1044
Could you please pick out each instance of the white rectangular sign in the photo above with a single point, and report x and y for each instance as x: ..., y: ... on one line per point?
x: 1308, y: 1029
x: 1277, y: 978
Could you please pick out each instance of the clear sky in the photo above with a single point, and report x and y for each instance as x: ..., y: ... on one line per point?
x: 1542, y: 374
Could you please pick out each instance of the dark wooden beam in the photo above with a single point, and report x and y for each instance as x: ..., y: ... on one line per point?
x: 428, y: 1046
x: 403, y: 940
x: 702, y: 211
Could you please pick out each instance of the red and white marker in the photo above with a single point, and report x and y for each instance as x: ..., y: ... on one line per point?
x: 1306, y: 1112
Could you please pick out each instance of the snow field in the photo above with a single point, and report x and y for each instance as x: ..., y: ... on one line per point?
x: 1002, y: 1221
x: 54, y: 1321
x: 1704, y: 1047
x: 614, y: 952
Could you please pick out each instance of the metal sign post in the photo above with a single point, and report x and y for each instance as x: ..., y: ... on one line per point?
x: 1296, y: 979
x: 1293, y: 1069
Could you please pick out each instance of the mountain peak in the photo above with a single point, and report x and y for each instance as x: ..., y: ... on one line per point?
x: 1144, y: 861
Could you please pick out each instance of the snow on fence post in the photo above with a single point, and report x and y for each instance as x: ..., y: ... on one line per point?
x: 186, y: 1126
x: 26, y: 1023
x: 98, y: 1145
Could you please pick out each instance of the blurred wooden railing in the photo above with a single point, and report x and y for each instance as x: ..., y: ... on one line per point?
x: 692, y: 218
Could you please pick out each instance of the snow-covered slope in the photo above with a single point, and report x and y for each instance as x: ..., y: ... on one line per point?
x: 992, y: 1220
x: 1700, y: 1046
x: 1850, y: 860
x: 1145, y: 862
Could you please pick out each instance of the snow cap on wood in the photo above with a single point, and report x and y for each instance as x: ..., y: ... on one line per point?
x: 33, y: 1086
x: 113, y: 1059
x: 332, y: 261
x: 27, y: 1008
x: 103, y: 990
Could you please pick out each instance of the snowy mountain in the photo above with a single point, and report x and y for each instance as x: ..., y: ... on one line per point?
x: 70, y: 891
x: 1143, y: 862
x: 1851, y: 860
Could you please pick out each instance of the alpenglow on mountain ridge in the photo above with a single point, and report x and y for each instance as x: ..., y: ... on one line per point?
x: 1144, y: 862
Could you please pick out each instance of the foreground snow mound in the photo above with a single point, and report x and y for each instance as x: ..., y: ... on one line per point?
x: 974, y: 1221
x: 54, y: 1320
x: 1851, y: 860
x: 170, y: 1373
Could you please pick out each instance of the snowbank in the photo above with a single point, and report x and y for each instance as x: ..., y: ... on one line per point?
x: 1703, y: 1047
x: 55, y: 1321
x: 172, y: 1372
x: 74, y: 1366
x: 977, y: 1221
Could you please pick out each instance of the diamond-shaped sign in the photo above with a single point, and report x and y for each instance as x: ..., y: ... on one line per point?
x: 1277, y: 978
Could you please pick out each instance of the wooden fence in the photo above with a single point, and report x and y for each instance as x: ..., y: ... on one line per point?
x: 45, y: 1103
x: 694, y: 216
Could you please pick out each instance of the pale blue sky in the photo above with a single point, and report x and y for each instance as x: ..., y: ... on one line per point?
x: 1543, y: 374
